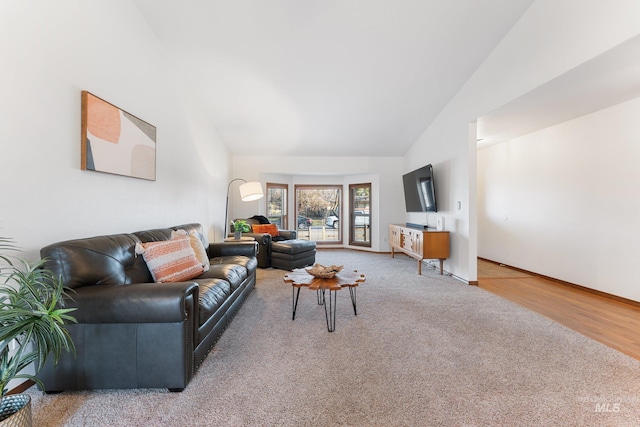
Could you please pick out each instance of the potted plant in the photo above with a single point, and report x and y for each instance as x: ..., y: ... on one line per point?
x: 240, y: 226
x: 31, y: 328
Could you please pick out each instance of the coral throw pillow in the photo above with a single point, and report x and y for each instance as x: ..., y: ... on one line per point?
x: 170, y: 260
x: 266, y: 228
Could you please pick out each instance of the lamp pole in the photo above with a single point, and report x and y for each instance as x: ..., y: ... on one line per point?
x: 226, y: 210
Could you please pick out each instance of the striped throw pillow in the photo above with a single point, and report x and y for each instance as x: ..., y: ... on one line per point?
x: 196, y: 245
x: 170, y: 260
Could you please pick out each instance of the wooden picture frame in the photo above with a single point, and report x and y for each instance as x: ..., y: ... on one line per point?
x: 116, y: 142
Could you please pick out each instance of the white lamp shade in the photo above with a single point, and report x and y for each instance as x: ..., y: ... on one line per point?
x: 250, y: 191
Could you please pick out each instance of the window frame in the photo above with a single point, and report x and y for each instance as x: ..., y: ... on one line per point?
x: 353, y: 215
x: 284, y: 218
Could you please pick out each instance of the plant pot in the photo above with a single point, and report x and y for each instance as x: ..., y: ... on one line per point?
x: 15, y: 411
x: 237, y: 234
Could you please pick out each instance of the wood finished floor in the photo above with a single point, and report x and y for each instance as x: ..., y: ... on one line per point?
x: 613, y: 323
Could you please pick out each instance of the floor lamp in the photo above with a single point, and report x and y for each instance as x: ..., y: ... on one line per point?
x: 249, y: 191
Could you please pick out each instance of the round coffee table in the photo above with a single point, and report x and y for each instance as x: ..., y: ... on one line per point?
x: 345, y: 279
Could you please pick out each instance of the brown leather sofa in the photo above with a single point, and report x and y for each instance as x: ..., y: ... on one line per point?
x: 132, y: 332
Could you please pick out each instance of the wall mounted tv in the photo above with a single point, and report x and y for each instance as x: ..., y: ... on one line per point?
x: 419, y: 190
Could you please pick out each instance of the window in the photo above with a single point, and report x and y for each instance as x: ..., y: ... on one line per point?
x: 277, y: 204
x: 360, y: 214
x: 318, y: 212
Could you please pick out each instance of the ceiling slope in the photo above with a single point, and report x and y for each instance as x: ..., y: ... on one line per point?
x: 332, y: 77
x: 606, y: 80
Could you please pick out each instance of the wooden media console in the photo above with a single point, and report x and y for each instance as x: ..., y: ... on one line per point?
x: 419, y: 244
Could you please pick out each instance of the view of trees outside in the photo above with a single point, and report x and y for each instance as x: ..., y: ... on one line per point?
x: 360, y: 195
x: 319, y: 203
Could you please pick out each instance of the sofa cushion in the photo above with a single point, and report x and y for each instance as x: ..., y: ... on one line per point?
x: 155, y: 235
x: 234, y: 274
x: 170, y: 260
x: 213, y: 293
x: 266, y: 228
x: 101, y: 260
x: 251, y: 264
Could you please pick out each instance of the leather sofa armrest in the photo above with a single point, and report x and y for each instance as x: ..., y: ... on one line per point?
x: 288, y: 234
x: 134, y: 303
x: 248, y: 249
x: 261, y: 238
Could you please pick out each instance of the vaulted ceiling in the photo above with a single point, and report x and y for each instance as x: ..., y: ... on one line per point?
x: 327, y: 77
x: 608, y: 79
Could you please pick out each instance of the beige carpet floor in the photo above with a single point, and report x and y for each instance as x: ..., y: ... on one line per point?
x: 423, y: 351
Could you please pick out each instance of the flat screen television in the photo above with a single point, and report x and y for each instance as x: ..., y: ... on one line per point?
x: 419, y: 190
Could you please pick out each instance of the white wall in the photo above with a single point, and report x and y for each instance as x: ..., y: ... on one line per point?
x: 563, y: 201
x: 384, y: 173
x: 551, y: 38
x: 51, y: 51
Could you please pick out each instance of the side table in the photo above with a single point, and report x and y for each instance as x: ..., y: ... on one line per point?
x: 349, y: 279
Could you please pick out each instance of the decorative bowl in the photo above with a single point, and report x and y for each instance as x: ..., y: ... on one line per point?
x: 324, y: 272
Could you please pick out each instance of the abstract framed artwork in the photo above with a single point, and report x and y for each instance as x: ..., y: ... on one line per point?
x: 116, y: 142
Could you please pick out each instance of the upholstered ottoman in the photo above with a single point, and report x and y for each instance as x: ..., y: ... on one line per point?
x: 290, y: 254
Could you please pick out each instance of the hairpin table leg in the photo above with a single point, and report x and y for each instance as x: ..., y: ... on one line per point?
x: 330, y: 315
x: 352, y: 292
x: 295, y: 301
